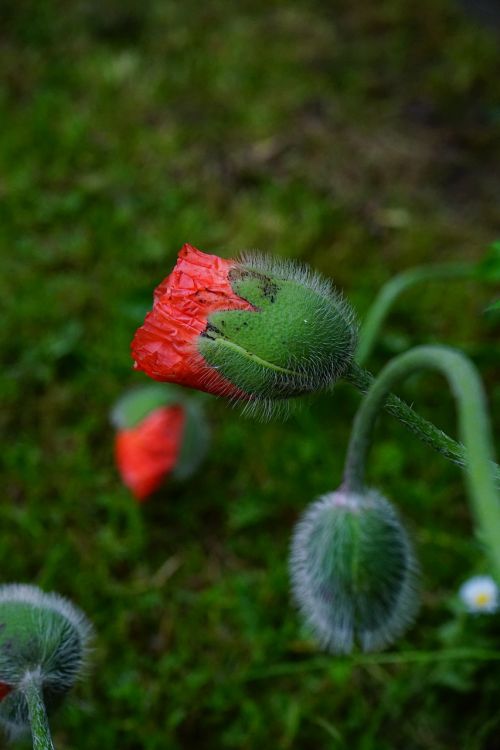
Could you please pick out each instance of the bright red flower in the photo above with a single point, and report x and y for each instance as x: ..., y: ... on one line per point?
x: 164, y: 347
x: 4, y: 690
x: 146, y: 453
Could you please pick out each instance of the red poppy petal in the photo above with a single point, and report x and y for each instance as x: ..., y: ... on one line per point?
x: 4, y: 690
x: 146, y: 453
x: 165, y: 345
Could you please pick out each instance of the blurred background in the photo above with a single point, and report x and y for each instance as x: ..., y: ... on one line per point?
x: 360, y: 137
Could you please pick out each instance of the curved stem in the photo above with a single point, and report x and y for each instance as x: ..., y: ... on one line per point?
x: 40, y: 731
x: 474, y: 428
x: 393, y: 289
x: 424, y: 430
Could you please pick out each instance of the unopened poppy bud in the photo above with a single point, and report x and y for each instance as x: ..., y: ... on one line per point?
x: 353, y: 570
x: 43, y: 642
x: 257, y: 328
x: 159, y: 433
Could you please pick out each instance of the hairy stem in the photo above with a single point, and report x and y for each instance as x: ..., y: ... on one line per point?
x: 40, y: 731
x: 474, y: 428
x: 392, y: 290
x: 422, y: 428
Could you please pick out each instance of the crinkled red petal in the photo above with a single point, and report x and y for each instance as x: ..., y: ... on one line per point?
x: 165, y: 345
x: 146, y: 453
x: 4, y: 690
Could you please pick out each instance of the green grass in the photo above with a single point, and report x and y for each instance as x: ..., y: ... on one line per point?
x: 360, y: 137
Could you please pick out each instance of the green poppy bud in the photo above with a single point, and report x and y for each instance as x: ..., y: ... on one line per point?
x: 353, y: 570
x: 298, y: 337
x: 255, y: 329
x: 43, y: 641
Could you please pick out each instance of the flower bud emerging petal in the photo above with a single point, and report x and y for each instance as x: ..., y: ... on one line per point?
x: 159, y: 433
x: 43, y: 635
x: 257, y: 328
x: 353, y: 571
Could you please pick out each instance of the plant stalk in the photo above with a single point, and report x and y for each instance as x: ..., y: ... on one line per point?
x: 422, y: 428
x: 393, y: 289
x: 40, y: 730
x: 474, y: 428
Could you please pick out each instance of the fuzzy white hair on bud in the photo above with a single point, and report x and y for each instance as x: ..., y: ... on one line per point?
x: 43, y: 637
x: 287, y: 269
x: 354, y: 573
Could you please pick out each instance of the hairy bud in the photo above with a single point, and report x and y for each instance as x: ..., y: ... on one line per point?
x: 297, y: 338
x: 353, y: 570
x: 43, y: 637
x: 253, y: 329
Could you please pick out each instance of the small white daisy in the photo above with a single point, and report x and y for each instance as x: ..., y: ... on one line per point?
x: 480, y: 594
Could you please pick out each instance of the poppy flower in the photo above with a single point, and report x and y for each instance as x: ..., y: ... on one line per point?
x: 158, y: 434
x: 255, y: 329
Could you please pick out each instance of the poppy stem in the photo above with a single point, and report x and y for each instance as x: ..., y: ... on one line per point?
x: 422, y: 428
x: 476, y: 457
x: 40, y: 731
x: 393, y: 289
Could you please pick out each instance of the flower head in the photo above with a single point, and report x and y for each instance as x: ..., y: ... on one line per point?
x: 159, y: 433
x: 480, y: 594
x: 42, y: 635
x: 353, y: 571
x: 256, y: 329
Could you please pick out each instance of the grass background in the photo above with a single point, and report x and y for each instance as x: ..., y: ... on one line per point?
x: 360, y: 137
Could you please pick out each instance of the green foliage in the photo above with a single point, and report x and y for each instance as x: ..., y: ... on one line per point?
x: 494, y: 308
x: 358, y: 138
x: 489, y: 267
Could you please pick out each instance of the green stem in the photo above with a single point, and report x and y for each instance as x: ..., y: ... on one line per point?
x: 286, y: 669
x: 424, y: 430
x: 393, y: 289
x: 474, y: 428
x: 40, y: 731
